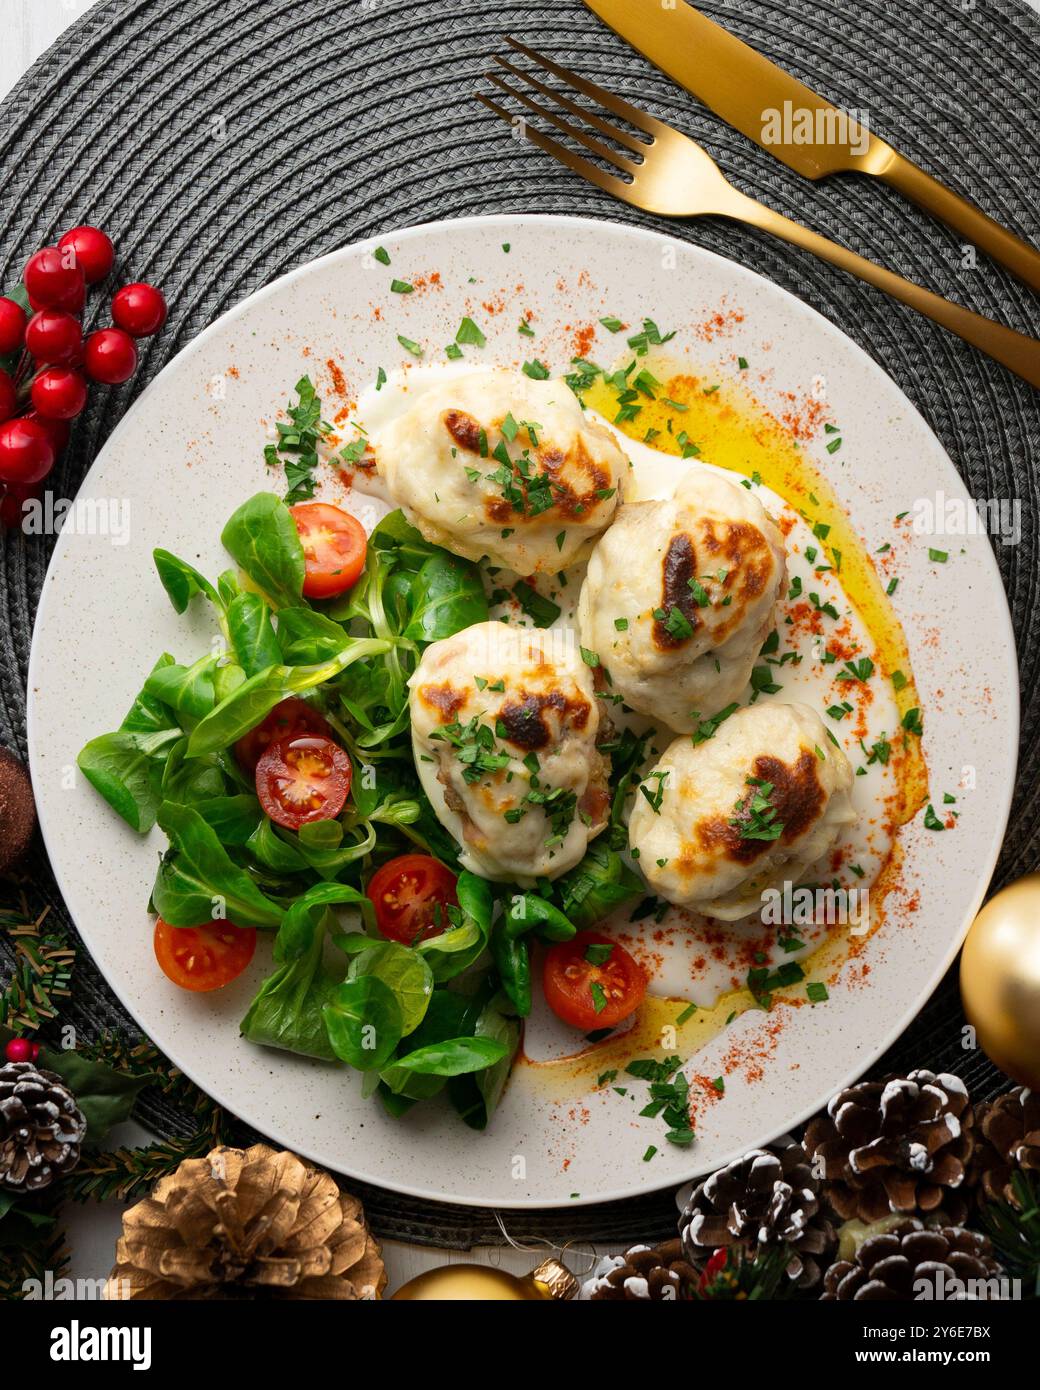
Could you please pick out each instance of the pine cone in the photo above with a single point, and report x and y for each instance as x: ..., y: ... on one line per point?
x: 247, y: 1223
x: 767, y: 1198
x: 900, y: 1145
x: 889, y: 1264
x: 41, y: 1127
x: 1007, y: 1139
x: 643, y: 1273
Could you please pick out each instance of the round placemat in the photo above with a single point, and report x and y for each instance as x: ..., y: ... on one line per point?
x: 224, y: 142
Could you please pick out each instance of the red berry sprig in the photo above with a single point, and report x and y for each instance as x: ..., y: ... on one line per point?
x: 22, y: 1050
x: 45, y: 363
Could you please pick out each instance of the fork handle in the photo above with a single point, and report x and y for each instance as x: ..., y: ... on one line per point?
x: 964, y: 217
x: 1019, y: 353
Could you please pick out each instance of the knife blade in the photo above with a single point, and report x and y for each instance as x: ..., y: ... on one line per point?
x: 787, y: 119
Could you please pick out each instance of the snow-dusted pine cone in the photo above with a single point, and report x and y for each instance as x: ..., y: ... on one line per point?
x: 1007, y: 1141
x: 896, y: 1264
x: 644, y: 1273
x: 767, y: 1198
x: 895, y: 1146
x: 41, y: 1127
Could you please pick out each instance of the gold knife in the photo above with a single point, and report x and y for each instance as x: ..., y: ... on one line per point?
x: 789, y: 120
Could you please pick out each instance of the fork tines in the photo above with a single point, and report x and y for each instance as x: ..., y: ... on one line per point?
x: 607, y: 100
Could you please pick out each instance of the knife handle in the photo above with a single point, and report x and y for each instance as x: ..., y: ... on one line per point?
x: 965, y: 218
x: 1013, y: 350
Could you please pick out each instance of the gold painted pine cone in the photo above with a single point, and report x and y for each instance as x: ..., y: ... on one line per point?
x: 888, y: 1265
x: 242, y: 1224
x: 897, y: 1146
x: 1007, y: 1141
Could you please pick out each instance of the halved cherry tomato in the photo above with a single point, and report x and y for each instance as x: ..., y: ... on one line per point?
x: 591, y: 982
x: 334, y: 545
x: 302, y: 778
x: 411, y: 895
x: 203, y: 958
x: 291, y: 716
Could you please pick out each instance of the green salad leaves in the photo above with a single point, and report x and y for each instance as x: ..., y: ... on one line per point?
x: 443, y: 1015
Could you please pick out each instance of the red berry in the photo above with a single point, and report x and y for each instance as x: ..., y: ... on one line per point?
x: 57, y: 431
x: 21, y: 1050
x: 94, y: 251
x: 12, y: 326
x: 110, y: 356
x: 59, y: 394
x: 54, y: 280
x: 140, y: 309
x: 54, y: 336
x: 8, y: 396
x: 26, y: 451
x: 13, y: 497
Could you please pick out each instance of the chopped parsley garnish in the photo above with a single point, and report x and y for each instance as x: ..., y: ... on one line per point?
x: 611, y: 324
x: 525, y: 328
x: 931, y: 820
x: 409, y: 345
x: 650, y: 336
x: 536, y: 370
x: 656, y: 796
x: 297, y: 446
x: 401, y: 287
x: 382, y: 255
x: 707, y: 727
x: 861, y: 670
x: 675, y: 623
x: 541, y: 610
x: 755, y: 816
x: 938, y: 556
x: 912, y: 722
x: 470, y: 333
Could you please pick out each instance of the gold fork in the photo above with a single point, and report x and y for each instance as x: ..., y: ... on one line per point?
x: 669, y: 173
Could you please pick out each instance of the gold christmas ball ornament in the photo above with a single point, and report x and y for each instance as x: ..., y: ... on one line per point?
x: 477, y: 1283
x: 1000, y: 980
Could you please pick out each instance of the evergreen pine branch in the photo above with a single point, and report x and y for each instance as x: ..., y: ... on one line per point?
x: 42, y: 972
x: 144, y: 1059
x: 128, y: 1174
x: 1014, y: 1229
x: 27, y: 1252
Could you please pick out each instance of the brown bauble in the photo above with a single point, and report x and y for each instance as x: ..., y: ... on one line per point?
x: 17, y: 811
x: 1000, y: 980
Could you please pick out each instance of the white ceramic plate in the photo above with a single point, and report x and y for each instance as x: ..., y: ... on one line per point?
x: 191, y: 450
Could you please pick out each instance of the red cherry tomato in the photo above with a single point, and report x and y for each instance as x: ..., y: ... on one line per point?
x: 292, y: 716
x: 94, y: 251
x: 54, y: 337
x: 411, y: 895
x: 59, y: 393
x: 334, y: 545
x: 302, y: 778
x: 110, y: 356
x: 54, y: 280
x: 8, y: 396
x: 591, y: 982
x: 26, y: 452
x: 203, y: 958
x: 139, y: 309
x: 12, y: 325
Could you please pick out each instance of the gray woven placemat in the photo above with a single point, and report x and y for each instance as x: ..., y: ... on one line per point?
x: 223, y: 142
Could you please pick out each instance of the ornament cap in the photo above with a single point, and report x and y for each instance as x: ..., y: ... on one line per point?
x: 556, y: 1279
